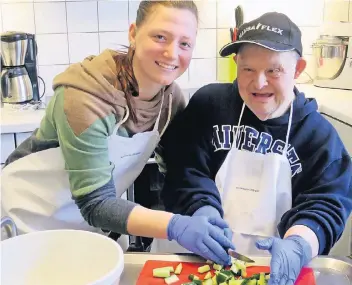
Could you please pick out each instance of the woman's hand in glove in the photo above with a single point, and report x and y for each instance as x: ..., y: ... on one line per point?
x: 202, y: 235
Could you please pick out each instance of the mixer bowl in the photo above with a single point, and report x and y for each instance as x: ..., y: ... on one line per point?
x: 330, y: 56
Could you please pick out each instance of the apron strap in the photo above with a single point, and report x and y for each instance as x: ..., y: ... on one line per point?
x: 238, y: 127
x: 124, y: 119
x: 159, y: 115
x: 168, y: 115
x: 284, y: 153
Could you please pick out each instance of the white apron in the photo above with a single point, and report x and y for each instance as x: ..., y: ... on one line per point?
x: 36, y: 190
x: 255, y: 190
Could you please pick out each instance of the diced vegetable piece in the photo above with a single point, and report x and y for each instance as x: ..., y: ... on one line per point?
x: 244, y: 272
x: 161, y: 272
x: 208, y: 275
x: 222, y: 277
x: 240, y: 265
x: 217, y: 266
x: 228, y: 273
x: 203, y: 269
x: 235, y: 269
x: 193, y: 277
x: 215, y: 282
x: 261, y: 279
x: 178, y: 269
x: 249, y: 281
x: 172, y: 279
x: 235, y: 282
x: 223, y: 283
x: 207, y: 282
x: 197, y: 282
x: 267, y: 276
x: 255, y: 276
x: 188, y: 283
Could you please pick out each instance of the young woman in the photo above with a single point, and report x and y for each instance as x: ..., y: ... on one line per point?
x: 100, y: 128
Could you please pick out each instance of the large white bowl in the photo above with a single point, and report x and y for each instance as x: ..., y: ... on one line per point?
x: 61, y: 257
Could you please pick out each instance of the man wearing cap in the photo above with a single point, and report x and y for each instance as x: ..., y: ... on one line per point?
x: 258, y: 154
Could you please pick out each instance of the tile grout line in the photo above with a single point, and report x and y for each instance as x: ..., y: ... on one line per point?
x: 68, y: 43
x: 98, y: 22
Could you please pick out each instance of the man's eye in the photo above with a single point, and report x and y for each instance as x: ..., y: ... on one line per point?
x: 274, y: 72
x: 185, y: 44
x: 248, y: 69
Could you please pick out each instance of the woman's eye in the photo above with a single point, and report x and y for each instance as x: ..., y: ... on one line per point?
x: 160, y: 37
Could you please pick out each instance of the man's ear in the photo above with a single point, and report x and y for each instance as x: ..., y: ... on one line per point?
x: 300, y: 66
x: 132, y: 31
x: 235, y: 58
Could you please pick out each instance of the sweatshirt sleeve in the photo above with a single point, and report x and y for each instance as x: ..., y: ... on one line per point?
x: 186, y: 150
x: 325, y: 205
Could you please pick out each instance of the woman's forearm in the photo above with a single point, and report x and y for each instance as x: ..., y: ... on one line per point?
x: 148, y: 223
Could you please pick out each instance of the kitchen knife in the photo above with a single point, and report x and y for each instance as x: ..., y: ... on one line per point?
x: 241, y: 257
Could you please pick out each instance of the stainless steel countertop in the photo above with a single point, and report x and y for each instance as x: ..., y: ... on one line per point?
x: 336, y: 267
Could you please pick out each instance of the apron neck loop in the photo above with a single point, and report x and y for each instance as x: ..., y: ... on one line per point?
x: 168, y: 115
x: 238, y: 131
x: 159, y: 115
x: 124, y: 119
x: 284, y: 153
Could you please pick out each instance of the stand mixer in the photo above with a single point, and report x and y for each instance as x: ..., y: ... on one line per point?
x: 333, y: 56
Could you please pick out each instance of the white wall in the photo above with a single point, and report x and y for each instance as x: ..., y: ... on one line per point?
x: 67, y: 31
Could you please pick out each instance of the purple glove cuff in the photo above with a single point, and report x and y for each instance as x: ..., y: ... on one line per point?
x: 207, y: 211
x: 305, y: 248
x: 171, y: 224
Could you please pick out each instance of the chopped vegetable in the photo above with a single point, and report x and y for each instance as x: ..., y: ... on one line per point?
x: 207, y: 282
x: 171, y: 279
x: 193, y: 277
x: 217, y: 266
x: 204, y: 269
x: 161, y: 272
x: 207, y: 276
x: 178, y: 269
x: 261, y: 279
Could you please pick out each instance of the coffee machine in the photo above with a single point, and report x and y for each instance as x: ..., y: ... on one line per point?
x: 19, y: 78
x: 333, y: 56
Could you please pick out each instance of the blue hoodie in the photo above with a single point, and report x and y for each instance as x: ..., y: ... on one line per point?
x: 198, y: 140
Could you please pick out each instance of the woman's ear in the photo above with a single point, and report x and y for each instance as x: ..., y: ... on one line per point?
x: 132, y: 31
x: 300, y: 66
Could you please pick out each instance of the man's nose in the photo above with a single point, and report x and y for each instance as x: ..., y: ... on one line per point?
x: 260, y: 81
x: 171, y: 51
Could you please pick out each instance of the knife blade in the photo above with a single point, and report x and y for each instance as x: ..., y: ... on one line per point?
x: 239, y: 256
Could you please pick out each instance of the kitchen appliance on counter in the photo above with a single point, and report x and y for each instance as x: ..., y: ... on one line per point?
x: 19, y: 78
x: 333, y: 56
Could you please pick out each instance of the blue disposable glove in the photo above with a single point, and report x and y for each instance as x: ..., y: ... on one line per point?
x: 202, y: 235
x: 289, y: 255
x: 209, y: 211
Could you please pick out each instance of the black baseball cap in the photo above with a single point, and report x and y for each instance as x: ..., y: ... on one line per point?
x: 272, y: 30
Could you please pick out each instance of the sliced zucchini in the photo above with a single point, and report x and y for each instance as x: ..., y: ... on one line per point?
x: 172, y: 279
x: 178, y: 269
x: 207, y: 282
x: 235, y: 282
x: 161, y: 272
x: 261, y: 279
x: 222, y: 277
x: 217, y: 266
x: 193, y: 277
x: 215, y: 282
x: 204, y: 268
x: 207, y: 276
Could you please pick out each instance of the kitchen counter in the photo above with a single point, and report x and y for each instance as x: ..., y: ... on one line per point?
x: 333, y: 102
x: 328, y: 270
x: 336, y: 103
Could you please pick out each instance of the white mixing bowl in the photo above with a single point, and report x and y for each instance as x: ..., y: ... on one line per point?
x: 61, y: 257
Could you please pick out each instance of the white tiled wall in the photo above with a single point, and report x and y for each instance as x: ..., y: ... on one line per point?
x: 67, y: 31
